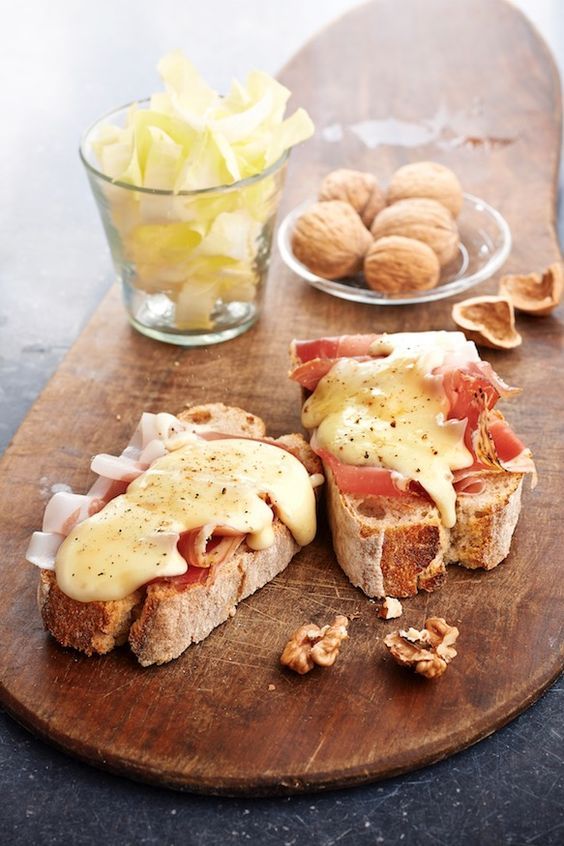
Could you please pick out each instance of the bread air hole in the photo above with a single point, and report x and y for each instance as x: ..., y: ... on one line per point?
x: 371, y: 508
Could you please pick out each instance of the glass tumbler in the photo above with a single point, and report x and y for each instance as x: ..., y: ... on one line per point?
x: 192, y: 264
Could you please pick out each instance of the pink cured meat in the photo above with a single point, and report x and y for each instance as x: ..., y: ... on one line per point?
x: 470, y: 391
x: 317, y: 357
x: 203, y: 548
x: 361, y: 481
x: 349, y: 346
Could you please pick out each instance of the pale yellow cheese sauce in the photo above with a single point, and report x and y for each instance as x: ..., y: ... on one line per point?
x: 390, y: 412
x: 199, y: 483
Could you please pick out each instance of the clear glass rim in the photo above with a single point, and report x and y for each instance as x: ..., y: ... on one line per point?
x: 198, y: 192
x: 368, y: 297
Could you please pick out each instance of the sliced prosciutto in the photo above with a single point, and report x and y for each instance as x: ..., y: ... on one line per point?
x: 472, y: 389
x: 349, y: 346
x: 314, y: 359
x: 361, y: 481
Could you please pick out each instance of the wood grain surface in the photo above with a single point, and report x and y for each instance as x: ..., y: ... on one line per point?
x: 480, y: 83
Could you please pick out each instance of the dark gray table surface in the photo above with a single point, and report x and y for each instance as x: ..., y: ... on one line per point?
x: 63, y: 64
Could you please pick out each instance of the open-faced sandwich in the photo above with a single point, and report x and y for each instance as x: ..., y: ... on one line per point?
x: 421, y: 468
x: 196, y: 514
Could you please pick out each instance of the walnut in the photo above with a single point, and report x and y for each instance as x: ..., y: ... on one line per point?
x: 428, y: 651
x: 427, y: 179
x: 535, y: 293
x: 390, y: 609
x: 330, y: 239
x: 425, y: 220
x: 311, y: 645
x: 490, y: 321
x: 397, y: 265
x: 360, y: 190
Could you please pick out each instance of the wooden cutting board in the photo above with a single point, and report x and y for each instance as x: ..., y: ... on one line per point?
x: 474, y: 87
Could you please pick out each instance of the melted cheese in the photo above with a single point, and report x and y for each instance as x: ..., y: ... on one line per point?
x: 390, y: 412
x: 200, y: 483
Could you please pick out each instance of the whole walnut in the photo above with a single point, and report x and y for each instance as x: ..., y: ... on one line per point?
x: 397, y: 265
x: 427, y: 179
x: 425, y: 220
x: 330, y: 239
x: 361, y: 190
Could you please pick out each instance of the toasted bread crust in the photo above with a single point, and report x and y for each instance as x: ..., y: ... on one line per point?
x: 386, y: 546
x: 171, y: 620
x: 161, y: 620
x: 485, y: 523
x: 227, y: 419
x: 397, y: 546
x: 90, y: 627
x: 412, y: 558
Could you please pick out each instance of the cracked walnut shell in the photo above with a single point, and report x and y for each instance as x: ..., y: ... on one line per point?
x: 428, y: 651
x: 397, y: 265
x: 361, y: 190
x: 427, y: 179
x: 423, y: 219
x: 489, y: 321
x: 310, y: 645
x: 331, y: 239
x: 534, y: 293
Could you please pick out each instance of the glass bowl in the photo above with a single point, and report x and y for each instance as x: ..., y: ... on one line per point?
x: 485, y: 242
x: 192, y: 264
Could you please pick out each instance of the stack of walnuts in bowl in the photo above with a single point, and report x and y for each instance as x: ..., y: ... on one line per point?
x: 400, y: 239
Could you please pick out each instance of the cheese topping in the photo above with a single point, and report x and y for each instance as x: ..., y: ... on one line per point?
x: 199, y: 483
x: 391, y: 412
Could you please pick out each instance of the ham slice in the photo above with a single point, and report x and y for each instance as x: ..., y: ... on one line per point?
x: 156, y: 426
x: 472, y: 389
x: 310, y: 373
x: 507, y: 445
x: 43, y: 548
x: 106, y: 489
x: 117, y: 467
x: 154, y: 449
x: 332, y: 348
x: 470, y: 480
x: 192, y: 577
x: 361, y: 481
x: 316, y: 358
x: 64, y: 510
x: 498, y: 448
x: 209, y: 545
x: 146, y: 445
x: 202, y: 548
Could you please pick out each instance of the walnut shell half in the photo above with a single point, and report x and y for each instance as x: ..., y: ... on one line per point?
x: 489, y: 321
x: 533, y: 293
x: 396, y: 265
x: 427, y: 179
x: 423, y: 219
x: 330, y: 239
x: 361, y: 190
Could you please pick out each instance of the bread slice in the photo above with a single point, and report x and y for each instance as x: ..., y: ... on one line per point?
x: 395, y: 546
x: 485, y: 522
x: 162, y: 619
x: 170, y: 620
